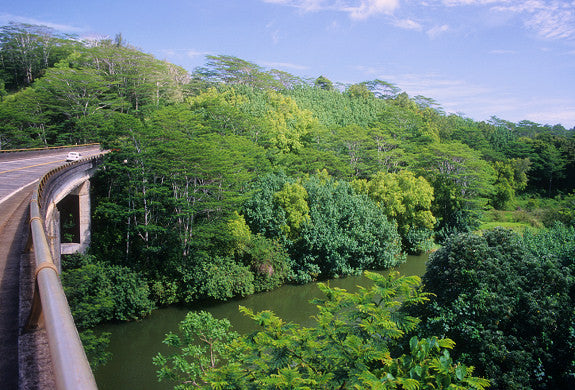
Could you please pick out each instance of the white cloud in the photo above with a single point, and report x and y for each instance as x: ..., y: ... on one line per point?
x: 274, y: 32
x: 553, y: 22
x: 520, y: 6
x: 502, y: 52
x: 454, y: 3
x: 7, y: 18
x: 356, y: 9
x: 333, y: 26
x: 275, y: 36
x: 479, y: 101
x: 194, y: 53
x: 305, y: 5
x: 176, y: 54
x: 408, y: 24
x: 541, y: 110
x: 433, y: 85
x: 368, y: 8
x: 437, y: 30
x: 282, y: 65
x: 550, y: 19
x: 552, y: 116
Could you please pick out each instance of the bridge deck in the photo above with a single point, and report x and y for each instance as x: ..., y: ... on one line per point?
x: 13, y: 232
x: 25, y: 361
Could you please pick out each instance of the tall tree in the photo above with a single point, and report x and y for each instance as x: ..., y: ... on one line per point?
x: 407, y: 199
x: 511, y: 178
x: 78, y: 93
x: 359, y: 91
x: 290, y: 126
x: 139, y: 78
x: 343, y: 233
x: 382, y: 89
x: 462, y: 182
x: 547, y: 162
x: 236, y: 71
x: 323, y: 83
x: 27, y: 50
x: 25, y: 120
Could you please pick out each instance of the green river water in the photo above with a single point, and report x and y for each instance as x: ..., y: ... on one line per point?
x: 134, y: 344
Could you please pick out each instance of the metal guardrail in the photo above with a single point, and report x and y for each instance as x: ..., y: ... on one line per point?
x: 71, y: 368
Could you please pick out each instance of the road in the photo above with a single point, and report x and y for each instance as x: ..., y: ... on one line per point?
x: 17, y: 171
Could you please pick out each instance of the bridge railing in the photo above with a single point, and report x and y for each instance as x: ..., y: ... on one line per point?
x: 71, y: 367
x: 6, y: 153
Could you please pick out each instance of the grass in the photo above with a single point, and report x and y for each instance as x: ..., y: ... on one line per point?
x: 519, y: 227
x: 531, y: 212
x: 517, y: 220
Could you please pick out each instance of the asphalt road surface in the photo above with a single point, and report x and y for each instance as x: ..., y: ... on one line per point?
x: 18, y: 171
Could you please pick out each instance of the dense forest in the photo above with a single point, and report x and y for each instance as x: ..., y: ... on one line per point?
x: 233, y: 179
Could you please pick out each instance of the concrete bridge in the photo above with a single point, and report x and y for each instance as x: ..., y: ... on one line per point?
x: 40, y: 192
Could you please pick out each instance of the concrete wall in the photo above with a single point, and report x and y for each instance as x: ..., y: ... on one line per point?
x: 74, y: 180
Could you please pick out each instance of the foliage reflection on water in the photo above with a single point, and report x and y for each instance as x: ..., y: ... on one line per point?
x: 134, y: 344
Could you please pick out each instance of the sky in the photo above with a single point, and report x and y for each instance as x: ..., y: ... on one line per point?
x: 513, y: 59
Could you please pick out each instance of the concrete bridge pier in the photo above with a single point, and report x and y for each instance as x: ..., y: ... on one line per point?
x: 68, y: 223
x: 52, y: 226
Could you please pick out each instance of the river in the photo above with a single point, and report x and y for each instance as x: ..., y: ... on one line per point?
x: 134, y: 344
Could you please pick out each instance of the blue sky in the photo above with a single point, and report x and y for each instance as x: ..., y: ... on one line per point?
x: 514, y: 59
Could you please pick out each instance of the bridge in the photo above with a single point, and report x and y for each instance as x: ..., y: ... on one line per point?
x: 40, y: 192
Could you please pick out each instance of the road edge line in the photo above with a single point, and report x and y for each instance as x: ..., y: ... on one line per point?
x: 16, y: 191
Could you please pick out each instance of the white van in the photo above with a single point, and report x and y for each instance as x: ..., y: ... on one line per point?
x: 73, y: 156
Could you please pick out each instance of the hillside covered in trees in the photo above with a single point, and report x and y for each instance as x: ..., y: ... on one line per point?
x: 234, y: 179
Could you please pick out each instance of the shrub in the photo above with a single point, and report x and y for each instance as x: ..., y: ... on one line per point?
x: 222, y: 278
x: 507, y: 302
x: 100, y: 292
x: 268, y: 261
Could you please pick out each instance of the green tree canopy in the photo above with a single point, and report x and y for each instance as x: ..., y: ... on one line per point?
x: 462, y: 182
x: 27, y: 50
x: 323, y: 83
x: 507, y: 302
x: 342, y: 233
x: 406, y: 199
x: 357, y: 343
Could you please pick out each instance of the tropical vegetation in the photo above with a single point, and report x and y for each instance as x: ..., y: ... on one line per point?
x: 233, y: 179
x: 357, y: 343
